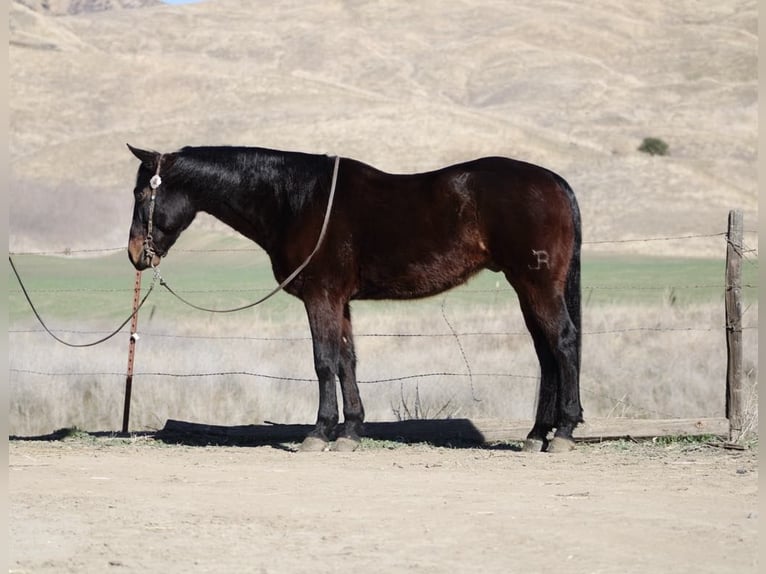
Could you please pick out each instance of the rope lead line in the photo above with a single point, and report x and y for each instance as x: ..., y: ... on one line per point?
x: 157, y: 277
x: 292, y: 275
x: 78, y: 345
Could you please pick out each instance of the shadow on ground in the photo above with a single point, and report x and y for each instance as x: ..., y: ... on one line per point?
x: 455, y: 433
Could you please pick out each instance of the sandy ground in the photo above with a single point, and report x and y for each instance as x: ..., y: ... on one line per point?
x: 138, y: 505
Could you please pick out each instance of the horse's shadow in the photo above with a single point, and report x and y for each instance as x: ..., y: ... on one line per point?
x: 452, y: 433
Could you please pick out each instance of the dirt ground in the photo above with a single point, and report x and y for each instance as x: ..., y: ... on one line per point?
x: 88, y: 504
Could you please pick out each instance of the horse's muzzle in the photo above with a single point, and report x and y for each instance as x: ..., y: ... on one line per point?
x: 141, y: 257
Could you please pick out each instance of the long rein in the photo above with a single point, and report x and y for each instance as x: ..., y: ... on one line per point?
x: 288, y: 279
x: 155, y: 183
x: 67, y: 343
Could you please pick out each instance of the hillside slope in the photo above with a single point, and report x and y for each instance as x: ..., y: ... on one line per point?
x: 404, y: 86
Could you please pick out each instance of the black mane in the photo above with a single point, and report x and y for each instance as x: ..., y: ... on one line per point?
x: 292, y: 179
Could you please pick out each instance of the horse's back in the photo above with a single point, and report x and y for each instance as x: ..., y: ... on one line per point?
x: 490, y: 194
x: 419, y: 234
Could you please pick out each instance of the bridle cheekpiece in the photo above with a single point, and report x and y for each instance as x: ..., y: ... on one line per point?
x: 154, y: 184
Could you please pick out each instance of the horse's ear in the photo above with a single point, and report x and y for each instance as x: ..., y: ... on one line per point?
x: 148, y: 158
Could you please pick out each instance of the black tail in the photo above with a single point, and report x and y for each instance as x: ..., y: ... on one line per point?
x: 573, y: 296
x: 573, y: 290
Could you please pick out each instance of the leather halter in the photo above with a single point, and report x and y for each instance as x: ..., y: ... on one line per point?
x: 154, y: 184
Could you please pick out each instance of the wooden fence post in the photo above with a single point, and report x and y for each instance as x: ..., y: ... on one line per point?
x: 733, y: 298
x: 131, y: 353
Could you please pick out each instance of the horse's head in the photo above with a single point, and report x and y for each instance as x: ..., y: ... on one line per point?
x: 162, y: 210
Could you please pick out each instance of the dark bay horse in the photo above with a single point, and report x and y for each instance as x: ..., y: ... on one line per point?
x: 388, y: 237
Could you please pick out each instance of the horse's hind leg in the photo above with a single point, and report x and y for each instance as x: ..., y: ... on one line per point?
x: 545, y: 416
x: 555, y: 339
x: 568, y: 400
x: 353, y: 410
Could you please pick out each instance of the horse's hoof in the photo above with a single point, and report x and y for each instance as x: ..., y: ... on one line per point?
x: 314, y: 444
x: 345, y: 444
x: 561, y: 444
x: 532, y: 445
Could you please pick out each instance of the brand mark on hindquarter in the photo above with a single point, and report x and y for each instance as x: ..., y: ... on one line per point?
x: 542, y: 259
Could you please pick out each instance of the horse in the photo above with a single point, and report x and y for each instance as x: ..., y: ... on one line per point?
x: 355, y: 232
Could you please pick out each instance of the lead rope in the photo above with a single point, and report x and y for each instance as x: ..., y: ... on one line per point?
x: 154, y: 184
x: 79, y: 345
x: 289, y: 278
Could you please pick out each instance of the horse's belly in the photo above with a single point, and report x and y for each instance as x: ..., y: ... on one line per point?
x: 418, y: 277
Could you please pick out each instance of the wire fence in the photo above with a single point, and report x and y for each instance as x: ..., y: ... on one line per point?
x: 45, y: 290
x: 585, y: 243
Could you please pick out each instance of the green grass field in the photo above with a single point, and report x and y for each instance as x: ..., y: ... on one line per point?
x: 230, y: 272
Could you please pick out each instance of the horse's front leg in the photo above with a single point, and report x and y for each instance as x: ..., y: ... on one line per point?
x: 325, y: 322
x: 353, y: 411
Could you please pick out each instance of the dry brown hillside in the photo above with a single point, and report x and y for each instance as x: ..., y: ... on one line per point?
x: 406, y: 86
x: 59, y: 7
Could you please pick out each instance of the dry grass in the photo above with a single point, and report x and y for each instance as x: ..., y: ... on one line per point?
x: 638, y: 361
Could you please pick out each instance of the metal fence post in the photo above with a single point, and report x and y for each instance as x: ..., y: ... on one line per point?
x: 131, y: 353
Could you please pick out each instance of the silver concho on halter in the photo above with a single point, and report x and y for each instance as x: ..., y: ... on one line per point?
x: 156, y: 181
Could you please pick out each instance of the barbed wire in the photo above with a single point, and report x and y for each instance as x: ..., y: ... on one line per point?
x: 382, y: 335
x: 599, y: 394
x: 746, y: 252
x: 255, y: 248
x: 263, y: 375
x: 749, y: 254
x: 649, y: 239
x: 463, y: 290
x: 124, y: 248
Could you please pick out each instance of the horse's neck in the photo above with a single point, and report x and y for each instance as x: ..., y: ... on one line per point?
x: 253, y: 205
x: 249, y: 215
